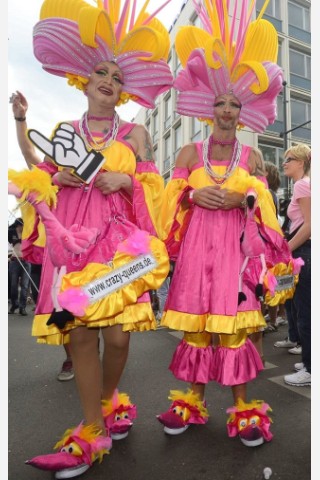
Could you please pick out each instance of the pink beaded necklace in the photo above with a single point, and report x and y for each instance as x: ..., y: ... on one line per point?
x: 100, y: 119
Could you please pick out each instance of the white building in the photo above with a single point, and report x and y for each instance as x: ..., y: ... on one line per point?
x: 169, y: 131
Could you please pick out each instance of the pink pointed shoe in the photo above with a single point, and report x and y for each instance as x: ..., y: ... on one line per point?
x: 79, y: 448
x: 251, y: 422
x: 118, y: 414
x: 186, y: 409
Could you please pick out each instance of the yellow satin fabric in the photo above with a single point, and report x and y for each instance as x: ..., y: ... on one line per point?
x: 204, y: 339
x: 282, y: 295
x: 200, y: 340
x: 134, y: 318
x: 251, y: 321
x: 114, y: 303
x: 240, y: 181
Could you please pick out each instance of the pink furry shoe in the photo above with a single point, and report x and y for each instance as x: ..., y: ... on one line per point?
x: 251, y: 422
x: 79, y: 448
x: 186, y: 409
x: 118, y: 414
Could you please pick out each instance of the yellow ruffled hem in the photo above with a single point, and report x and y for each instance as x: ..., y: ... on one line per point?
x: 135, y: 318
x: 251, y: 321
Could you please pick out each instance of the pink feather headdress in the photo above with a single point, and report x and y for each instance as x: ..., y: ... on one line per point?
x: 237, y: 57
x: 72, y: 37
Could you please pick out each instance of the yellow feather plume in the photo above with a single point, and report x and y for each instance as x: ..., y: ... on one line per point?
x: 37, y: 182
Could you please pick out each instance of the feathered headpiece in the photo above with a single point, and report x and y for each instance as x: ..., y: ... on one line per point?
x: 72, y: 37
x: 237, y: 56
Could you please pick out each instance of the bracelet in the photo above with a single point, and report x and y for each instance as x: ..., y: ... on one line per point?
x: 190, y: 197
x: 20, y: 119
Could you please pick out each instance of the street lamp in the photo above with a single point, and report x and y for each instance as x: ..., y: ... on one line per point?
x: 284, y: 134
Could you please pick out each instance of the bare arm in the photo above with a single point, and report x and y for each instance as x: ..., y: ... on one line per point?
x: 304, y: 232
x: 140, y: 140
x: 256, y: 164
x: 19, y: 108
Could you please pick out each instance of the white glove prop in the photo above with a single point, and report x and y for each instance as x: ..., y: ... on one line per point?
x: 67, y: 149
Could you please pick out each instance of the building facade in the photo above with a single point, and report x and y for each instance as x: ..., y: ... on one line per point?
x: 169, y: 131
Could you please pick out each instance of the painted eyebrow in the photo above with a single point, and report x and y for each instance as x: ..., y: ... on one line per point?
x: 116, y: 72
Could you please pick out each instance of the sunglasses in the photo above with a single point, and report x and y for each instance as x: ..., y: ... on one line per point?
x: 289, y: 159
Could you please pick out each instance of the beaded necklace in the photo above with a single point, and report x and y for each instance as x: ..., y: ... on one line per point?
x: 106, y: 141
x: 206, y: 153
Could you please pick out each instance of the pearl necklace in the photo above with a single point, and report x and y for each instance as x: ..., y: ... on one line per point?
x: 106, y: 141
x: 220, y: 179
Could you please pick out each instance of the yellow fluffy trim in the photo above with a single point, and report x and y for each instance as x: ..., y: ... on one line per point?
x: 88, y: 433
x: 191, y: 398
x: 37, y: 182
x: 109, y: 405
x: 243, y: 406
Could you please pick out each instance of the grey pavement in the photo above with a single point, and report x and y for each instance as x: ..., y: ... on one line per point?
x: 42, y: 408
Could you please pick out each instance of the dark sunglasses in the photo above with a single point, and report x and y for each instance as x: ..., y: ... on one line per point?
x: 289, y: 159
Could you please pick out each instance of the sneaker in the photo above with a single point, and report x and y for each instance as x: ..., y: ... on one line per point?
x: 285, y: 343
x: 12, y: 310
x: 66, y: 371
x: 299, y: 366
x: 296, y: 350
x: 23, y: 312
x: 298, y: 379
x: 270, y: 328
x: 281, y: 321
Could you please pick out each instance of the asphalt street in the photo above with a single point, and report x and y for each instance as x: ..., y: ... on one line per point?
x: 42, y: 408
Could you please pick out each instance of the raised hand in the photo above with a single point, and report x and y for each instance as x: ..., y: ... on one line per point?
x: 67, y: 149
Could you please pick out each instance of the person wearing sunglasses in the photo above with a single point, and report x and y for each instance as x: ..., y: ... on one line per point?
x: 296, y: 166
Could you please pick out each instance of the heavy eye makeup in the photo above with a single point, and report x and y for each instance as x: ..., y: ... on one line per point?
x: 104, y: 73
x: 223, y: 104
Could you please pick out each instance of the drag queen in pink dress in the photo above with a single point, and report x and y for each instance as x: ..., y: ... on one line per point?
x: 98, y: 193
x: 205, y: 218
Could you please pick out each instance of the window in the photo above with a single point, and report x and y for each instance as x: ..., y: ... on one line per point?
x: 279, y: 59
x: 167, y: 111
x: 170, y: 62
x: 167, y: 153
x: 299, y: 16
x: 280, y: 108
x: 207, y: 130
x: 178, y: 66
x: 155, y: 127
x: 300, y: 64
x: 195, y: 130
x: 155, y: 152
x: 195, y: 20
x: 177, y: 132
x: 300, y: 113
x: 273, y: 9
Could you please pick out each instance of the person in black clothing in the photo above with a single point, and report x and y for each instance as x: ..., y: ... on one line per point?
x: 19, y: 270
